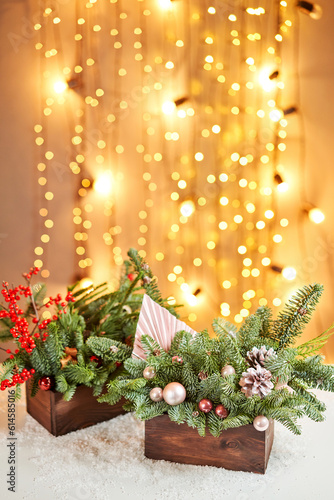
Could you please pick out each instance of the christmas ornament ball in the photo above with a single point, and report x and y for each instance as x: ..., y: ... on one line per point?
x: 156, y: 394
x: 45, y: 383
x: 177, y: 360
x: 149, y: 372
x: 227, y: 370
x: 261, y: 423
x: 174, y: 393
x: 205, y: 405
x: 221, y: 411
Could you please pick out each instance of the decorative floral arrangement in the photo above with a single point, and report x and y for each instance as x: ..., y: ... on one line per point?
x: 85, y: 340
x: 238, y: 377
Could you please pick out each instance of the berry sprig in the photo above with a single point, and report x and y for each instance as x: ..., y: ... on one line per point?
x: 18, y: 378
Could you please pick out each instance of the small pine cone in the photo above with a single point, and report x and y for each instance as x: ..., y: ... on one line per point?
x: 302, y: 311
x: 145, y: 267
x: 195, y: 413
x: 257, y: 357
x: 256, y: 381
x: 114, y: 349
x: 203, y: 375
x: 147, y: 280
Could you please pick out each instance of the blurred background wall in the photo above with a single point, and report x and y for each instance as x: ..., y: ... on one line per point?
x: 199, y: 132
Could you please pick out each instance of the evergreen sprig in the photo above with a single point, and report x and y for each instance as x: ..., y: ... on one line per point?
x: 98, y: 326
x: 196, y: 362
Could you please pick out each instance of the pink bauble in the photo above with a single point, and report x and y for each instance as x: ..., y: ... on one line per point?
x: 221, y: 411
x: 177, y: 360
x: 282, y: 385
x: 156, y: 394
x: 227, y: 370
x: 205, y: 405
x: 149, y: 372
x: 261, y: 423
x: 174, y: 393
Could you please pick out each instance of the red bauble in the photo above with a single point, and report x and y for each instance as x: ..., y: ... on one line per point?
x: 45, y: 383
x: 221, y: 411
x: 205, y: 405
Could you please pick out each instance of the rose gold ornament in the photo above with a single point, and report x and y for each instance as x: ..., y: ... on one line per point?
x: 149, y: 372
x: 174, y: 393
x: 177, y: 360
x: 282, y: 385
x: 227, y: 370
x: 221, y: 411
x: 156, y: 394
x: 205, y: 405
x: 261, y: 423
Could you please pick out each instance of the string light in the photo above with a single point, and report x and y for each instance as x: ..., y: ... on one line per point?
x: 230, y: 189
x: 315, y: 215
x: 103, y: 183
x: 289, y: 273
x: 187, y: 208
x: 60, y: 87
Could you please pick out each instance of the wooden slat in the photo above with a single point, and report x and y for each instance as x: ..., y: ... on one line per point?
x: 243, y: 448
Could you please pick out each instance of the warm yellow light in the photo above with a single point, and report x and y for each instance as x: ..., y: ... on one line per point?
x: 242, y: 249
x: 289, y: 273
x: 85, y: 283
x: 266, y: 83
x: 275, y: 115
x: 165, y: 4
x: 168, y: 107
x: 103, y: 183
x: 316, y: 215
x: 60, y: 86
x: 187, y: 208
x: 282, y: 187
x: 191, y: 299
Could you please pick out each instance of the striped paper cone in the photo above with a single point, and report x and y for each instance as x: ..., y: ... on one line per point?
x: 159, y: 324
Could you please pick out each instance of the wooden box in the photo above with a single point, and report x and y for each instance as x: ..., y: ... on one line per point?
x: 241, y: 449
x: 60, y: 417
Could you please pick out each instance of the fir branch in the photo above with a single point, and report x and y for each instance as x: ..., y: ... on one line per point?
x: 231, y: 422
x: 215, y: 424
x: 265, y: 315
x: 281, y: 366
x: 314, y: 373
x: 312, y: 346
x: 223, y: 327
x: 177, y: 413
x: 135, y: 367
x: 194, y: 418
x: 61, y: 382
x: 69, y: 393
x: 249, y: 333
x: 287, y: 416
x: 296, y: 314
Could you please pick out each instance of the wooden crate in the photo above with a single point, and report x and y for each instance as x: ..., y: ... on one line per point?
x: 60, y: 417
x: 241, y: 449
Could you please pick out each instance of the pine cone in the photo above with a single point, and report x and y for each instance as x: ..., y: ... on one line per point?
x: 256, y: 381
x: 257, y: 357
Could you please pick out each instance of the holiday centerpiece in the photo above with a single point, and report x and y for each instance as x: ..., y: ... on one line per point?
x: 67, y: 356
x: 228, y: 389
